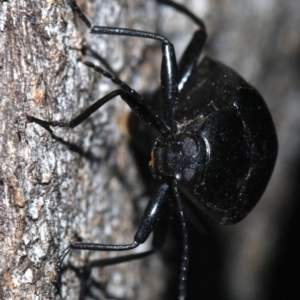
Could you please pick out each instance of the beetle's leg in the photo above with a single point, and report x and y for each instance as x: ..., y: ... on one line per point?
x: 134, y: 101
x: 185, y: 243
x: 169, y: 85
x: 87, y: 48
x: 159, y: 236
x: 115, y: 79
x: 156, y: 210
x: 84, y: 273
x: 191, y: 55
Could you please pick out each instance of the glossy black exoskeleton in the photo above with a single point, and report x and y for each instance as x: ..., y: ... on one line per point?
x: 217, y: 142
x: 235, y: 140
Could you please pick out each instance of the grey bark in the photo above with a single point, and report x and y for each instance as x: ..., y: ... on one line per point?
x: 50, y: 195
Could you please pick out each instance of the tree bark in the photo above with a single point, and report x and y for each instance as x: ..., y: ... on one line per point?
x: 80, y: 185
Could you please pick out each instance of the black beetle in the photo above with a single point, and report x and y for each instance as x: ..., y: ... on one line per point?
x: 217, y: 142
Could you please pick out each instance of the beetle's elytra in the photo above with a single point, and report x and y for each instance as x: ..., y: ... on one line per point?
x: 217, y: 143
x: 231, y: 119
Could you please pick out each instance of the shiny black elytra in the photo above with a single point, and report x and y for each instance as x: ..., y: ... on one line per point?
x: 217, y: 142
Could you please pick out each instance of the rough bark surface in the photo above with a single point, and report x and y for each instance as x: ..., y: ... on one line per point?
x: 51, y: 195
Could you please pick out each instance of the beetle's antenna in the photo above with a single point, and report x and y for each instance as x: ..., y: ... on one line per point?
x: 185, y: 252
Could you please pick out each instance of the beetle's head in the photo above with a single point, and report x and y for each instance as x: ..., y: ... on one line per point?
x: 182, y: 158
